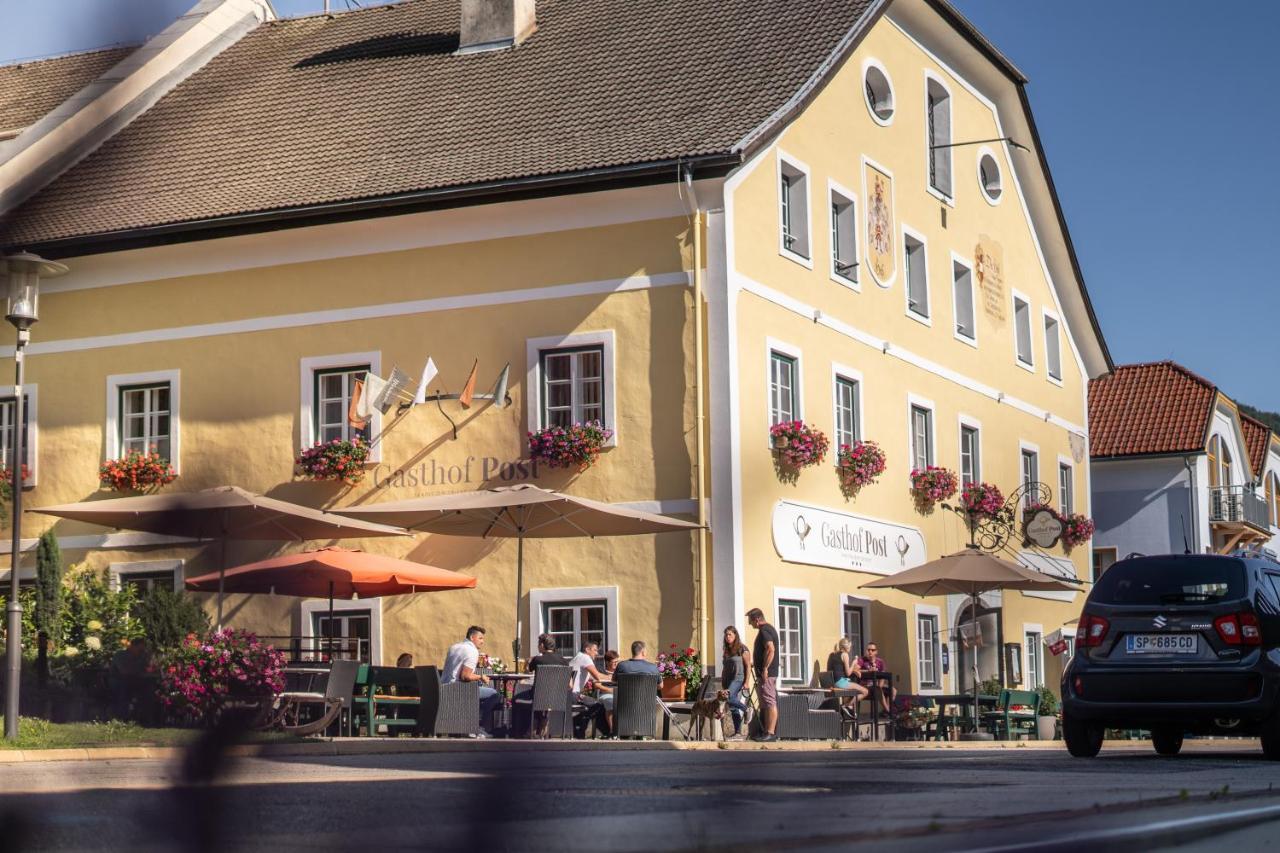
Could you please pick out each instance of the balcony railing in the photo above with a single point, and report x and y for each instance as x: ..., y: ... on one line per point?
x: 1238, y: 504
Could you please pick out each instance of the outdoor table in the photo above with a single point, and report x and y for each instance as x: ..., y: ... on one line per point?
x: 961, y: 700
x: 876, y: 678
x: 504, y: 683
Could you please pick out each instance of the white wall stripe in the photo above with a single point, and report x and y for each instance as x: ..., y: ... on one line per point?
x: 890, y: 349
x: 102, y: 541
x: 363, y: 312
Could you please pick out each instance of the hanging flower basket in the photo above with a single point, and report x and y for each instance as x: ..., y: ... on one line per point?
x: 1077, y: 529
x: 6, y: 482
x: 859, y: 464
x: 798, y: 445
x: 335, y: 460
x: 137, y: 472
x: 932, y: 485
x: 575, y: 446
x: 982, y: 500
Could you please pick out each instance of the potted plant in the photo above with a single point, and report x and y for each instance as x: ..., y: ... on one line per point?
x: 798, y: 445
x: 858, y: 464
x: 337, y: 459
x: 137, y: 472
x: 575, y: 446
x: 1077, y: 529
x: 681, y: 672
x: 932, y: 485
x: 1046, y: 714
x: 982, y: 500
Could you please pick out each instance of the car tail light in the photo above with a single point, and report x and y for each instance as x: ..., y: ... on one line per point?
x: 1077, y: 685
x: 1091, y: 631
x: 1239, y: 629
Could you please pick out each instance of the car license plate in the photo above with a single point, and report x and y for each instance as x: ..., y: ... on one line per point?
x: 1162, y: 644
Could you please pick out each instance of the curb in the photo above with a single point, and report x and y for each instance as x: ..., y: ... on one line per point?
x: 400, y: 746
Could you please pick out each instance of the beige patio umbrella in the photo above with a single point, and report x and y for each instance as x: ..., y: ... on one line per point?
x: 517, y: 512
x: 222, y: 513
x: 970, y: 572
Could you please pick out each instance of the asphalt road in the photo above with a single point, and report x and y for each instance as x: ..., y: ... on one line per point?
x: 532, y: 799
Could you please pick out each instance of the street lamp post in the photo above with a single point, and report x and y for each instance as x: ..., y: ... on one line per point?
x: 24, y: 271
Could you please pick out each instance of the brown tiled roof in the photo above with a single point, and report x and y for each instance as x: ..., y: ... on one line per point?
x: 1144, y: 409
x: 29, y: 90
x: 374, y: 103
x: 1257, y: 438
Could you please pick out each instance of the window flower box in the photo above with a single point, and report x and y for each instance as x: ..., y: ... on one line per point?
x: 859, y: 464
x: 6, y: 482
x: 1077, y: 529
x: 798, y: 445
x: 335, y: 460
x: 137, y: 472
x: 982, y: 500
x: 577, y: 446
x: 932, y: 485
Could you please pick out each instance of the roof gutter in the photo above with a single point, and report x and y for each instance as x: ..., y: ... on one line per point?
x: 610, y: 177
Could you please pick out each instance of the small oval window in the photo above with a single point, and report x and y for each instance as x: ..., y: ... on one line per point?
x: 989, y: 177
x: 879, y: 94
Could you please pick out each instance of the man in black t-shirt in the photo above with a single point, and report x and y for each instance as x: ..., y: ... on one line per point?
x: 764, y: 660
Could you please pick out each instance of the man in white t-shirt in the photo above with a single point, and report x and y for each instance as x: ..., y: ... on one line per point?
x: 584, y: 669
x: 460, y: 665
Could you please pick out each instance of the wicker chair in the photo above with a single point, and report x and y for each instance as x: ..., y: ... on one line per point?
x: 801, y: 718
x: 635, y: 710
x: 549, y: 703
x: 446, y: 709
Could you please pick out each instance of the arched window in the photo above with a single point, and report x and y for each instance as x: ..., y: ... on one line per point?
x: 1273, y: 498
x: 1219, y: 462
x: 938, y: 118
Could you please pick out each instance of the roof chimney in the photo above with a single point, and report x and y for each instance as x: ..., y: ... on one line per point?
x: 495, y: 24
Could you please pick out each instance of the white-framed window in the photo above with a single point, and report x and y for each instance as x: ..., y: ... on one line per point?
x: 916, y: 272
x: 1030, y: 461
x: 793, y: 209
x: 1022, y: 331
x: 357, y: 627
x: 966, y: 325
x: 989, y: 178
x: 146, y: 575
x: 1273, y: 498
x: 877, y: 89
x: 143, y: 413
x: 792, y: 636
x: 928, y: 651
x: 921, y: 436
x: 938, y: 131
x: 1052, y: 347
x: 1066, y: 488
x: 574, y: 615
x: 1035, y: 659
x: 970, y: 454
x: 572, y: 385
x: 853, y: 625
x: 327, y: 383
x: 784, y: 387
x: 572, y: 376
x: 30, y: 429
x: 844, y: 235
x: 1103, y: 559
x: 848, y: 408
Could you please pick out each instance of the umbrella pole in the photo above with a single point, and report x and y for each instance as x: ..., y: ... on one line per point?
x: 222, y: 572
x: 515, y: 644
x: 976, y: 715
x: 330, y: 626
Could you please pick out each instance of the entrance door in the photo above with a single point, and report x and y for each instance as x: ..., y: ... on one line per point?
x: 981, y: 637
x: 350, y: 632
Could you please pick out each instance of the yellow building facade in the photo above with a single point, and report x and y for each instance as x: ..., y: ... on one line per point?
x: 877, y: 260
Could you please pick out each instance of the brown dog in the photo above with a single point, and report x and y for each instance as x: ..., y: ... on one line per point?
x: 710, y: 711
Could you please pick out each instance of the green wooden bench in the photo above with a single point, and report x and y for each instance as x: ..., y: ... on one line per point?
x: 386, y: 696
x: 1003, y: 718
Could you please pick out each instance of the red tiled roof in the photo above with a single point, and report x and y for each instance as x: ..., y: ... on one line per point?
x: 30, y: 90
x: 1257, y: 436
x: 1145, y: 409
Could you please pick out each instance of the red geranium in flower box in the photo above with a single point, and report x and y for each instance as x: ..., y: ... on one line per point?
x: 335, y: 460
x: 137, y: 472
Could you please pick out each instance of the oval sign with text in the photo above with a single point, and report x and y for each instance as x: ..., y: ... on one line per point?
x: 1043, y: 527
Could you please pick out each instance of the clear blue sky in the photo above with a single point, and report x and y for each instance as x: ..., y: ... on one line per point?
x: 1159, y: 123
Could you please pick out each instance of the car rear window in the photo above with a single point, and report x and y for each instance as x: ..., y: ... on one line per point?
x: 1186, y: 580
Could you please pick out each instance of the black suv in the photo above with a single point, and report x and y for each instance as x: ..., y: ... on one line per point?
x: 1178, y: 644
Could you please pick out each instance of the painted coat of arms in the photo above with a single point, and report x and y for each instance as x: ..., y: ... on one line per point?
x: 880, y: 224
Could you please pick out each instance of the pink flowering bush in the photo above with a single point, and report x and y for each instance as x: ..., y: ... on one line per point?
x: 1077, y: 529
x: 199, y: 678
x: 574, y: 446
x: 982, y: 500
x: 136, y: 472
x: 858, y: 465
x: 932, y: 485
x: 335, y: 460
x: 798, y: 445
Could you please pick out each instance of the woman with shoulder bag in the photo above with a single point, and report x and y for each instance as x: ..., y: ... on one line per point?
x: 733, y: 676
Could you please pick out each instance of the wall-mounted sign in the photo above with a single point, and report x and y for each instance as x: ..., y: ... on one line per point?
x: 803, y: 533
x: 488, y: 470
x: 1043, y: 527
x: 988, y: 258
x: 880, y: 252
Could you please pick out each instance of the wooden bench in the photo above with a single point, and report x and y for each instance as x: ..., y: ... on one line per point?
x: 387, y: 688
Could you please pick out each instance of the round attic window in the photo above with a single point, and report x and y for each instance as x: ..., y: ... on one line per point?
x: 989, y: 177
x: 879, y: 93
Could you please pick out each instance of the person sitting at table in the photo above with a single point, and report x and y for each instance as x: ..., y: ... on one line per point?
x: 547, y: 654
x: 639, y: 661
x: 845, y: 674
x: 870, y: 664
x: 586, y: 676
x: 735, y: 665
x: 460, y: 665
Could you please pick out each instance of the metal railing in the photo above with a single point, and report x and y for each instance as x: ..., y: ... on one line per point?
x: 1238, y: 504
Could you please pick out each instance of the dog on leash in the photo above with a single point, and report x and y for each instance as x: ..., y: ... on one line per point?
x: 710, y: 711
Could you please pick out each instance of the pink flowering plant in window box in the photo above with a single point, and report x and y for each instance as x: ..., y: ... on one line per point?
x: 335, y: 460
x: 137, y: 472
x: 203, y: 677
x: 1077, y: 529
x: 575, y: 446
x: 858, y: 464
x: 932, y: 486
x: 797, y: 445
x: 982, y: 500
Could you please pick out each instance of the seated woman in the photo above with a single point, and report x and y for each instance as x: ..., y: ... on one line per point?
x: 846, y: 675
